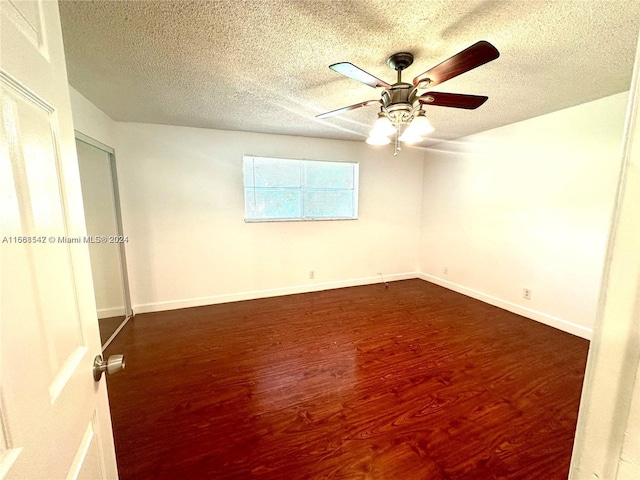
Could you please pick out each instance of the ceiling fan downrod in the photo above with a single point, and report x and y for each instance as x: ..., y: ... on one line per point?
x: 399, y: 61
x: 399, y: 100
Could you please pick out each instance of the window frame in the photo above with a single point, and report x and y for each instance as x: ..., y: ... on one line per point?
x: 303, y: 190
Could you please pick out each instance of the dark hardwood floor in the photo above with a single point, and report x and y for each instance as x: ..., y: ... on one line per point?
x: 107, y: 326
x: 409, y: 382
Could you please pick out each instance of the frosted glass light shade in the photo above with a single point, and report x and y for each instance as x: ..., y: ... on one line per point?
x: 421, y: 125
x: 375, y: 139
x: 410, y: 136
x: 383, y: 126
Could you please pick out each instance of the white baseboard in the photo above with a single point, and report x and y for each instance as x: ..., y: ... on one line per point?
x: 541, y: 317
x: 111, y: 312
x: 272, y: 292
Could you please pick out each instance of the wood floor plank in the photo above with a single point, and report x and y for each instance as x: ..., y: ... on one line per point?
x: 107, y: 326
x: 410, y: 382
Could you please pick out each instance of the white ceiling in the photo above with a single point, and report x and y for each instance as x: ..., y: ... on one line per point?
x: 262, y: 65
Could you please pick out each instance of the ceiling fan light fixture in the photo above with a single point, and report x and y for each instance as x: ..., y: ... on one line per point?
x: 410, y: 136
x: 377, y: 140
x: 421, y: 124
x: 382, y: 126
x: 401, y: 103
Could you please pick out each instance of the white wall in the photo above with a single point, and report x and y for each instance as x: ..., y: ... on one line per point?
x: 183, y: 208
x: 90, y: 120
x: 526, y: 205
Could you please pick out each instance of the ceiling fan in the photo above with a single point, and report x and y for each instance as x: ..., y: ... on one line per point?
x: 401, y: 103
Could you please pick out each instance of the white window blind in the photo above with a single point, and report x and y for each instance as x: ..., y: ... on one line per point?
x: 279, y: 189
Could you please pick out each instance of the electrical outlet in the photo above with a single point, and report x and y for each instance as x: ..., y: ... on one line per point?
x: 312, y: 274
x: 445, y: 270
x: 526, y: 293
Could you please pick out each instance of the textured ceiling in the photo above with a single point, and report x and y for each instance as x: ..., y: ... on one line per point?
x: 262, y: 65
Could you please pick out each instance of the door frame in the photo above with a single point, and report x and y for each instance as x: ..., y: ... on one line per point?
x: 121, y: 246
x: 605, y: 443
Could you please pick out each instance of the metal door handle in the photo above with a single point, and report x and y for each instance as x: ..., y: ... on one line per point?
x: 114, y: 364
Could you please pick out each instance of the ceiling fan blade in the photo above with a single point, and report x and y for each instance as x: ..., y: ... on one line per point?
x: 340, y: 111
x: 468, y: 59
x: 350, y: 70
x: 455, y: 100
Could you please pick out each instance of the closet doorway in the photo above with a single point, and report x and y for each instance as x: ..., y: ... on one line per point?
x: 107, y: 240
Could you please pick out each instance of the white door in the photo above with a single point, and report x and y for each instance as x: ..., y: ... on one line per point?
x: 54, y: 420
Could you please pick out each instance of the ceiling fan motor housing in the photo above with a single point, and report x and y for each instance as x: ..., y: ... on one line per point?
x: 398, y: 93
x: 398, y: 102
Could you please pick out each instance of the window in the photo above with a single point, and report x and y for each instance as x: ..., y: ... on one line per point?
x: 279, y: 189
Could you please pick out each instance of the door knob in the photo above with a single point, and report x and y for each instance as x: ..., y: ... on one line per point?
x: 114, y: 364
